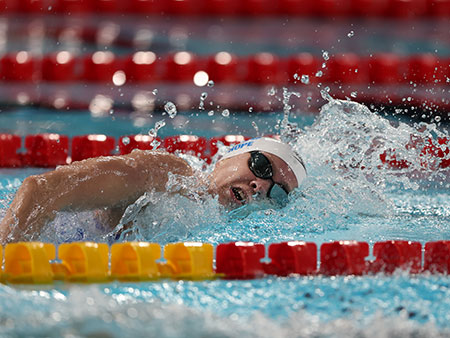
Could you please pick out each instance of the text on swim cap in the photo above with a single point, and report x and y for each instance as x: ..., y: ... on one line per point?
x: 241, y: 145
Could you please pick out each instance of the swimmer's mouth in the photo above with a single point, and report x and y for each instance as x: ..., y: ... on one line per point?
x: 239, y: 195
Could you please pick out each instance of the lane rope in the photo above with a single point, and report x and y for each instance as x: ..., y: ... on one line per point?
x: 51, y: 150
x: 90, y: 262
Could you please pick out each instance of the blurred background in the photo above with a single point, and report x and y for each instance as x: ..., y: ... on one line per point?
x: 109, y: 60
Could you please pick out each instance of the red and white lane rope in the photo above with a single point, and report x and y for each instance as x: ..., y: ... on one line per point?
x: 50, y: 150
x: 63, y: 80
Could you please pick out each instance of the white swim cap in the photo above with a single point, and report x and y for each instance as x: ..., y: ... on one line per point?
x: 274, y: 147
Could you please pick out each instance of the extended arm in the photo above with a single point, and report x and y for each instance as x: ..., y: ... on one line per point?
x: 112, y: 181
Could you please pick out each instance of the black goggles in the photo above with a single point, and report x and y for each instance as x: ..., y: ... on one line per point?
x: 261, y: 167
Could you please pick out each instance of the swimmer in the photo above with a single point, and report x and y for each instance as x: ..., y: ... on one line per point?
x: 261, y: 168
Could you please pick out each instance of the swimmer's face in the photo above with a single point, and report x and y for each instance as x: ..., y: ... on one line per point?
x: 235, y: 184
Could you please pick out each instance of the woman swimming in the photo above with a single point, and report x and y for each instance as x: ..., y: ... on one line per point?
x: 252, y: 170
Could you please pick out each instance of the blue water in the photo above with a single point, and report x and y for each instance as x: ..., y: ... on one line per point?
x: 351, y: 306
x: 337, y: 201
x: 30, y: 121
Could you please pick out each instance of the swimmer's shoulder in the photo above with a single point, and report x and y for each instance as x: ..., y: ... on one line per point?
x: 156, y: 164
x: 161, y: 159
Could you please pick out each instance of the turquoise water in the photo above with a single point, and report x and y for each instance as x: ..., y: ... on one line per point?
x: 339, y: 200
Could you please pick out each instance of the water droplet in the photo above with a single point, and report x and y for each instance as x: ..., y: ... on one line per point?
x: 350, y: 34
x: 126, y: 140
x: 296, y: 76
x: 155, y: 143
x: 250, y: 109
x: 211, y: 113
x: 225, y: 113
x: 155, y: 91
x: 437, y: 118
x: 210, y: 83
x: 255, y: 126
x: 325, y: 95
x: 272, y: 91
x: 319, y: 73
x: 353, y: 94
x: 160, y: 124
x: 203, y: 97
x: 305, y: 79
x: 171, y: 109
x: 325, y: 55
x: 111, y: 112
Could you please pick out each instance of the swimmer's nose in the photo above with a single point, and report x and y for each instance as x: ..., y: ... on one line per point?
x: 260, y: 186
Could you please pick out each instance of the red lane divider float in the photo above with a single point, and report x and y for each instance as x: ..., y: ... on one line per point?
x: 9, y: 146
x: 141, y: 67
x: 100, y: 67
x: 258, y: 69
x: 243, y: 260
x: 84, y: 147
x: 20, y: 66
x: 393, y: 255
x: 344, y: 258
x: 240, y: 260
x: 437, y: 257
x: 403, y: 9
x: 58, y: 67
x: 46, y: 150
x: 50, y: 150
x: 292, y: 258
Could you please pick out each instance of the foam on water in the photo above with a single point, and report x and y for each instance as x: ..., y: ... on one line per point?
x: 346, y: 192
x: 289, y: 307
x: 346, y: 188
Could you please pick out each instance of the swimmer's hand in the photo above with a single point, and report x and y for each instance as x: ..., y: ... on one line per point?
x: 103, y: 182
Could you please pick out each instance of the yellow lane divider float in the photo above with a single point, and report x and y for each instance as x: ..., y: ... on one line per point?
x: 88, y: 262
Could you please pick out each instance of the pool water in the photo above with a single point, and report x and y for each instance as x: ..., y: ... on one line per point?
x: 347, y: 195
